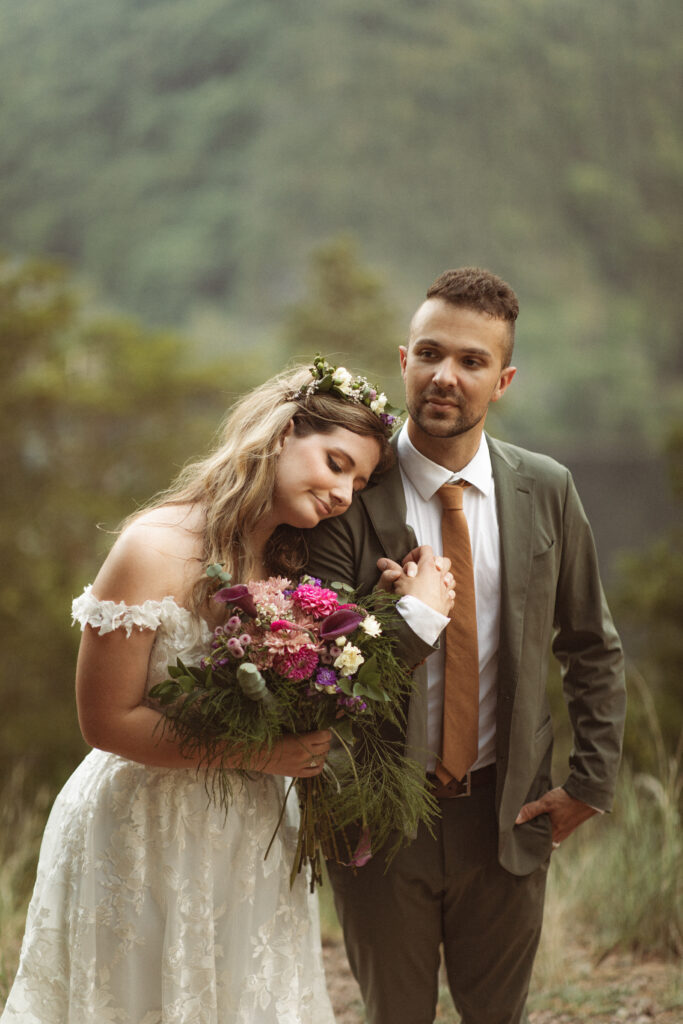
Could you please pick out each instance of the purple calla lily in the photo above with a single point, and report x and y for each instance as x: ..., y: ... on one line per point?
x: 238, y: 596
x: 340, y: 623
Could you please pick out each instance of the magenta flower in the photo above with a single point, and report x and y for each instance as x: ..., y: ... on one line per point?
x: 316, y: 600
x: 238, y: 596
x: 235, y: 647
x: 340, y: 623
x: 299, y: 665
x: 278, y: 624
x: 363, y: 852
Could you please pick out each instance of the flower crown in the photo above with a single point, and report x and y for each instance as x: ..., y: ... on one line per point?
x: 338, y: 381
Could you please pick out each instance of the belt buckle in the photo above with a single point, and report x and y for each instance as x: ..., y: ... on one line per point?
x: 460, y: 787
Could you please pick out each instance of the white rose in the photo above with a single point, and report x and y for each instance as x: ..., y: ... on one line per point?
x: 349, y: 661
x: 378, y: 405
x: 371, y: 626
x: 342, y: 376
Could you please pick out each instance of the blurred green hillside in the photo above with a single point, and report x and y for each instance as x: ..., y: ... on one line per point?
x: 187, y: 156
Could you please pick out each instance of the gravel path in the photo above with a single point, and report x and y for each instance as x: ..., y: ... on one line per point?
x: 619, y: 990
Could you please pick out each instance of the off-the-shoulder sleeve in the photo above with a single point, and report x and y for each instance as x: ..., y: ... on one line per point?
x: 106, y: 616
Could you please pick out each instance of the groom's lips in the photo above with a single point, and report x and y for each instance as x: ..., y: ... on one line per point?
x: 441, y: 403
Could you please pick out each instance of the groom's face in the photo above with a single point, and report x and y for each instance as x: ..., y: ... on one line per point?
x: 453, y: 367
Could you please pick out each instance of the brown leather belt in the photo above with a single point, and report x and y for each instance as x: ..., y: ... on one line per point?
x: 462, y: 787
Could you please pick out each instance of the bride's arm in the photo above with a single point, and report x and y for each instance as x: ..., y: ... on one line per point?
x: 150, y: 562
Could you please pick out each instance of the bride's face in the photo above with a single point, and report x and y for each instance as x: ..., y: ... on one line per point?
x: 318, y: 474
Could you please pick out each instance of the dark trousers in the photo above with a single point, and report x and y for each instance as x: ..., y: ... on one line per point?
x: 450, y: 891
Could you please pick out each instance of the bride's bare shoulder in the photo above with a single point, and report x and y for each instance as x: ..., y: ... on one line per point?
x: 159, y: 554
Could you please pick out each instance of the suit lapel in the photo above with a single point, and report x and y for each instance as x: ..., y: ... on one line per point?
x: 385, y: 505
x: 515, y: 508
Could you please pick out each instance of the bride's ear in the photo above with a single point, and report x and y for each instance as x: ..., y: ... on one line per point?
x: 287, y: 432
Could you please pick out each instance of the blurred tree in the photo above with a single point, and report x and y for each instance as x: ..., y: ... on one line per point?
x: 96, y: 415
x: 649, y: 599
x: 189, y: 155
x: 346, y: 313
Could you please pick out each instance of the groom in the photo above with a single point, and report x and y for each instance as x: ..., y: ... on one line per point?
x: 476, y: 887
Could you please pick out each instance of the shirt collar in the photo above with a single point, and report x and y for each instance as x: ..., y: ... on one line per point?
x: 427, y: 476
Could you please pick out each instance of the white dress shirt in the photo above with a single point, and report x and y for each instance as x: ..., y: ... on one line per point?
x: 421, y: 480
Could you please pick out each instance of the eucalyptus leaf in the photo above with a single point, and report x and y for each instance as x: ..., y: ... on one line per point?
x: 370, y: 691
x: 216, y: 571
x: 369, y: 670
x: 341, y: 587
x: 344, y: 684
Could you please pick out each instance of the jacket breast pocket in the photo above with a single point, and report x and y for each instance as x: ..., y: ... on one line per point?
x: 543, y: 733
x: 543, y: 547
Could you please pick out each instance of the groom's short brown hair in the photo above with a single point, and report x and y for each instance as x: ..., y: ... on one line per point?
x: 480, y: 290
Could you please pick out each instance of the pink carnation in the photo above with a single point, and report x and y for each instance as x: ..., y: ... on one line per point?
x: 286, y: 642
x: 270, y: 591
x: 298, y: 665
x: 316, y: 600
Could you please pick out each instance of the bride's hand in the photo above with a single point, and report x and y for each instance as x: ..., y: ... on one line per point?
x: 423, y: 575
x: 298, y: 756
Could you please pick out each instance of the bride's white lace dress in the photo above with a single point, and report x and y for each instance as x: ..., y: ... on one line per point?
x: 152, y: 907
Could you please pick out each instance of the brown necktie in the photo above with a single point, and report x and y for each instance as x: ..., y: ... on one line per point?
x: 461, y: 670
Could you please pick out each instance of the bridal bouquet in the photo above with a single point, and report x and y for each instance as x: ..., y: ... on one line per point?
x: 294, y: 659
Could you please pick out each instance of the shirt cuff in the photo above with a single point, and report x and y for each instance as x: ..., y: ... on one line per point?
x: 424, y: 621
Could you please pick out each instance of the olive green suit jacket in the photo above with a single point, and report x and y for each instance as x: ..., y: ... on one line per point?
x: 551, y: 598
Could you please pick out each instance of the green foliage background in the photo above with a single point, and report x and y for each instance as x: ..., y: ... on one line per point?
x: 187, y: 156
x: 275, y: 178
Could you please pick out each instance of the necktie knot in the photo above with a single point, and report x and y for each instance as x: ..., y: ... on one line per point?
x: 450, y: 495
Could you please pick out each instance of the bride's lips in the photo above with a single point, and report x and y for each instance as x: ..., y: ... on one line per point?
x: 323, y: 507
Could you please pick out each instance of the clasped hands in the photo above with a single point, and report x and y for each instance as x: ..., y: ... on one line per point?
x: 421, y: 574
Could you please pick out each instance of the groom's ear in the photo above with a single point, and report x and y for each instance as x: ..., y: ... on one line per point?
x: 403, y: 355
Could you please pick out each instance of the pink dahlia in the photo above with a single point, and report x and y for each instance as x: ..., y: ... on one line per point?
x: 316, y: 600
x: 298, y: 665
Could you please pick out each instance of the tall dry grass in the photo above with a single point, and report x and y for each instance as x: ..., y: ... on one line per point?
x: 617, y: 883
x: 22, y: 818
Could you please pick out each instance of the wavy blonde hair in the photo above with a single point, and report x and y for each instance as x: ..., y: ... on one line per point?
x: 235, y: 482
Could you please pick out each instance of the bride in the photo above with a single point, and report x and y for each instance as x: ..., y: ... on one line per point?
x: 150, y: 905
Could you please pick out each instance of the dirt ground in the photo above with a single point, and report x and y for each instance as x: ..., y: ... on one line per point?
x: 618, y: 990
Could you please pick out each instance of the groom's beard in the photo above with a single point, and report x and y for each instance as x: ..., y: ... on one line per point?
x: 449, y: 420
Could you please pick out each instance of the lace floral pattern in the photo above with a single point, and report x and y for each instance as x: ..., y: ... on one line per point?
x: 153, y: 907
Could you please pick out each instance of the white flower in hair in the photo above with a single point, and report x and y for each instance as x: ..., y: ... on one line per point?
x: 344, y: 380
x: 337, y: 380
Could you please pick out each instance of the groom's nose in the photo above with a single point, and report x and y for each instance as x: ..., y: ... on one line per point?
x: 446, y: 374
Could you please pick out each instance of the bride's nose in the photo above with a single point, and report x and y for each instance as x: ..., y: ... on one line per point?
x: 342, y: 493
